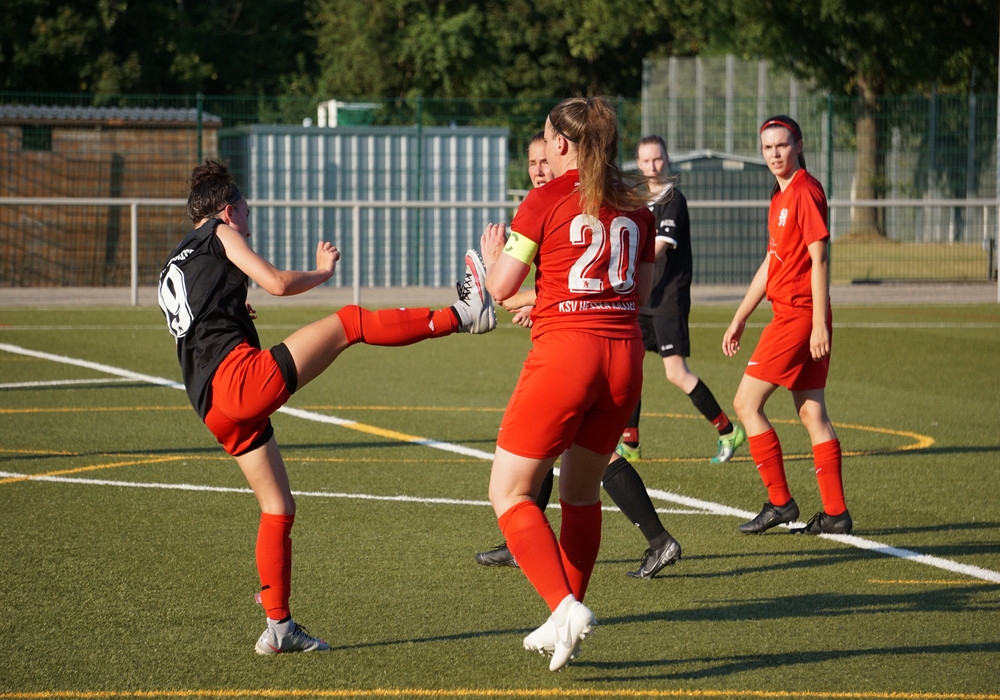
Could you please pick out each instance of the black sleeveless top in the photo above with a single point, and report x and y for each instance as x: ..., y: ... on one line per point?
x: 203, y: 296
x: 671, y: 293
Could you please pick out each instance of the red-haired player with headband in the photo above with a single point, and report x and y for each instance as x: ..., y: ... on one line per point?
x: 794, y: 348
x: 590, y: 237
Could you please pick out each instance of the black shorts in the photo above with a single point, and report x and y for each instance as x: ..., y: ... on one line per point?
x: 666, y: 335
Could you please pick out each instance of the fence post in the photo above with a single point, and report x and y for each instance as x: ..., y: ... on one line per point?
x: 829, y: 146
x: 134, y: 251
x: 199, y: 108
x: 420, y: 184
x: 356, y: 257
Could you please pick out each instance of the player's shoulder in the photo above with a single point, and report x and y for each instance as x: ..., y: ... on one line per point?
x: 546, y: 195
x: 805, y: 183
x: 671, y: 199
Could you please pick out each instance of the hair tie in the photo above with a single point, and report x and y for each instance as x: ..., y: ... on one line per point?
x: 776, y: 121
x: 560, y: 132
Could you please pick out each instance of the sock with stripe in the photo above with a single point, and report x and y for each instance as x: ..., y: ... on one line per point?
x: 703, y: 399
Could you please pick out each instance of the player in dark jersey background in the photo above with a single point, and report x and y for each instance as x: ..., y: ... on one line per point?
x: 235, y: 386
x: 664, y: 319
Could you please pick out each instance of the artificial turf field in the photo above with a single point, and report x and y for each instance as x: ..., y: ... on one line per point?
x: 126, y: 563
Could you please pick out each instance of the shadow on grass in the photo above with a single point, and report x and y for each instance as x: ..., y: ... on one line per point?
x: 788, y: 561
x: 939, y: 527
x: 715, y: 667
x: 949, y: 599
x: 937, y: 450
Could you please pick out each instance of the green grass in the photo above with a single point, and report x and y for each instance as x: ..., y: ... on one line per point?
x: 112, y: 590
x: 879, y: 258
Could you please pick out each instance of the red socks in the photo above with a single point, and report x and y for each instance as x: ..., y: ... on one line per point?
x: 555, y: 569
x: 533, y: 544
x: 766, y: 452
x: 579, y: 541
x: 631, y: 436
x: 394, y: 327
x: 274, y: 563
x: 829, y: 462
x: 722, y: 423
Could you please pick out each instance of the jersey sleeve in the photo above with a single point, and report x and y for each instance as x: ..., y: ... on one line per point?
x: 811, y: 213
x: 527, y: 221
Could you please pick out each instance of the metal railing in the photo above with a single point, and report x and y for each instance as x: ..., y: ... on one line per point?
x: 987, y: 211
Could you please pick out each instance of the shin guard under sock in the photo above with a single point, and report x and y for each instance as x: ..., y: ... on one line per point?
x: 395, y: 327
x: 580, y: 541
x: 703, y: 399
x: 274, y: 563
x: 544, y: 491
x: 533, y: 544
x: 766, y: 452
x: 829, y: 462
x: 623, y: 483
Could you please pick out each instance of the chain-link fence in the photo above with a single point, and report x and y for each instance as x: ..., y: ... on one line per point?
x: 922, y: 207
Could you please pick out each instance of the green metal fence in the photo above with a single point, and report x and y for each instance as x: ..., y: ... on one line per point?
x: 932, y: 213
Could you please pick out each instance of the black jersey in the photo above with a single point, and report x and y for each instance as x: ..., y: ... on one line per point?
x: 671, y: 295
x: 203, y: 296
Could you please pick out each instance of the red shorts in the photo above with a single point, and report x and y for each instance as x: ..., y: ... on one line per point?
x: 782, y: 355
x: 574, y: 388
x: 247, y: 388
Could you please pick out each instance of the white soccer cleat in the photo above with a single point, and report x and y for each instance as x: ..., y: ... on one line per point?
x: 474, y: 305
x: 283, y: 637
x: 573, y: 622
x: 543, y: 639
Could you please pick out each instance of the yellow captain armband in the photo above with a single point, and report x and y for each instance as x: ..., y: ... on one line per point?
x: 520, y: 248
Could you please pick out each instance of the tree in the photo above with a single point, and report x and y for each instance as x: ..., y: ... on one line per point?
x: 872, y: 48
x: 113, y: 46
x: 494, y: 48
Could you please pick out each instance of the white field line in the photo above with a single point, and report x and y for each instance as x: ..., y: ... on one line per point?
x: 62, y: 382
x: 694, y: 505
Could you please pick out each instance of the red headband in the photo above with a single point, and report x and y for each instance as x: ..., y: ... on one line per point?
x: 778, y: 122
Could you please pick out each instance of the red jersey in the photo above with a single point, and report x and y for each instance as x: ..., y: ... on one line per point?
x: 585, y: 268
x: 797, y: 217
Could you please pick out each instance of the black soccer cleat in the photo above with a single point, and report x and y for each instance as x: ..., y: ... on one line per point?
x: 498, y: 556
x: 821, y: 523
x: 655, y: 559
x: 770, y: 516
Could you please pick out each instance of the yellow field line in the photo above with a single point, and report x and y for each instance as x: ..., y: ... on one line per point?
x: 920, y: 442
x: 90, y: 409
x: 491, y: 693
x: 93, y: 467
x: 918, y: 582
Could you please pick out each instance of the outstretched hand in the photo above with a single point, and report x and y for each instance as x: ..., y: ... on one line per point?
x: 327, y: 256
x: 492, y: 242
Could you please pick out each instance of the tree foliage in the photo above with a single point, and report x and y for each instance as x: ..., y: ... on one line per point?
x: 872, y: 48
x: 116, y: 46
x: 491, y: 48
x: 494, y: 48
